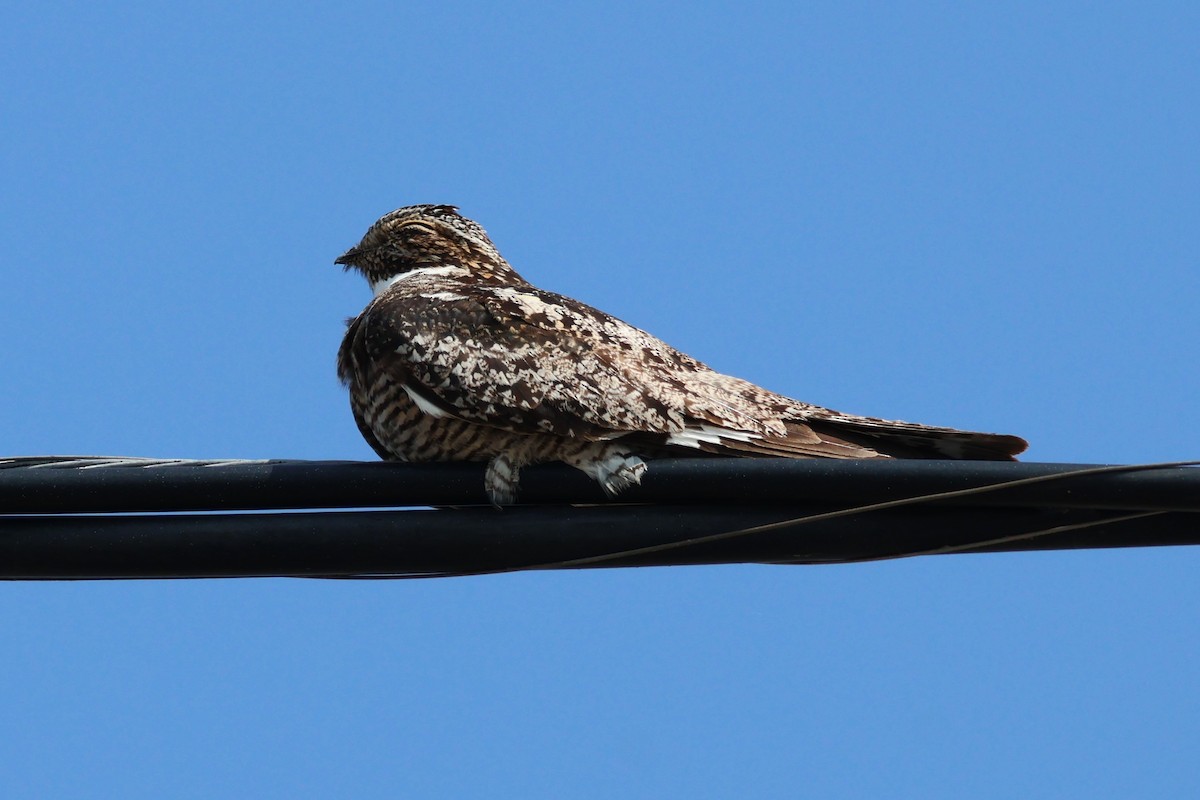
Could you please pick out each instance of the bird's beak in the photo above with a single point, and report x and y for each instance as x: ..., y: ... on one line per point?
x: 348, y: 258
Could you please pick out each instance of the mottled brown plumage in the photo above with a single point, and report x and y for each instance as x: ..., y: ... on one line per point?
x: 458, y: 358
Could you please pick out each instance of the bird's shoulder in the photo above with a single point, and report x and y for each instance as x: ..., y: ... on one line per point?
x: 440, y: 313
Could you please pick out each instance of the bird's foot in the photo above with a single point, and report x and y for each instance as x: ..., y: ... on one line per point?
x: 501, y: 479
x: 618, y: 471
x: 627, y: 475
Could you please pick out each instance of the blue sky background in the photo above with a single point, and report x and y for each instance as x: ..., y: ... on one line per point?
x: 980, y: 215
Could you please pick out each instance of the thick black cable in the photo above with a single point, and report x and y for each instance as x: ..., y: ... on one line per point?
x: 1003, y: 514
x: 57, y: 485
x: 862, y: 509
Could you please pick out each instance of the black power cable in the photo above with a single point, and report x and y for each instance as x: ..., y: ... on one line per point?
x: 91, y: 517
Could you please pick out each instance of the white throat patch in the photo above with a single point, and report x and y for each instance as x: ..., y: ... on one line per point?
x: 380, y: 286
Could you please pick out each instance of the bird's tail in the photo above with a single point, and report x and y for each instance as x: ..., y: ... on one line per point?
x: 910, y: 440
x: 847, y: 436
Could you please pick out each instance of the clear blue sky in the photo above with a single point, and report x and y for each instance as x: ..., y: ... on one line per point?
x: 978, y: 215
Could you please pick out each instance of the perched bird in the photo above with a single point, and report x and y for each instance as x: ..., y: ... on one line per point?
x: 459, y: 358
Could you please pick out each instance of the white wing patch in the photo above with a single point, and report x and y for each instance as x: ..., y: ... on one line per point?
x: 709, y: 434
x: 423, y: 404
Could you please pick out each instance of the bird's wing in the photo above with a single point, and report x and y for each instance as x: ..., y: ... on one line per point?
x: 526, y: 360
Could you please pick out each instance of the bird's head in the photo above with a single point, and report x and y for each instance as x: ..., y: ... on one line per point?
x: 415, y: 237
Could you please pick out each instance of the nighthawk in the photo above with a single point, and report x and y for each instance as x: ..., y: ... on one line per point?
x: 459, y: 358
